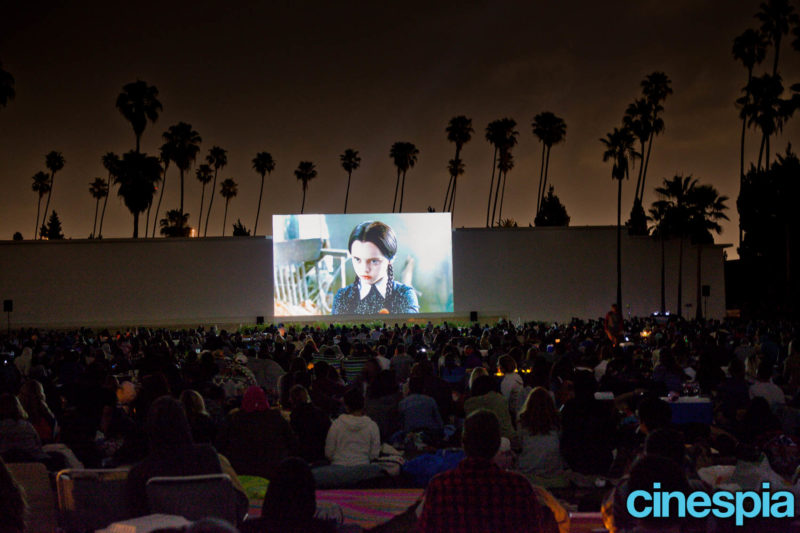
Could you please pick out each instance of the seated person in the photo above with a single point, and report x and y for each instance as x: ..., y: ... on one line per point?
x: 484, y: 396
x: 479, y: 496
x: 419, y: 412
x: 309, y: 424
x: 540, y: 458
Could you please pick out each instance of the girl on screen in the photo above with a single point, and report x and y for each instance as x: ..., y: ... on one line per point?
x: 373, y: 246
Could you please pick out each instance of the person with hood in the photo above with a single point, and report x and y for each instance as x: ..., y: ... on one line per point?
x: 354, y: 438
x: 256, y: 438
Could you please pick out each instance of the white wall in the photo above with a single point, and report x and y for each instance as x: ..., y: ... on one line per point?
x: 542, y: 274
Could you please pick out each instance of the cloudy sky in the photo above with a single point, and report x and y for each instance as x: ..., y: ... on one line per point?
x: 304, y: 80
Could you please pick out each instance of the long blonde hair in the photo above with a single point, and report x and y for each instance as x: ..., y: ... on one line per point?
x: 539, y: 414
x: 33, y: 401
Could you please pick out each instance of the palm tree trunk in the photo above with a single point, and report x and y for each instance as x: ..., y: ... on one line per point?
x: 663, y: 280
x: 47, y: 203
x: 639, y: 179
x: 680, y: 278
x: 210, y: 202
x: 491, y: 186
x: 136, y: 225
x: 761, y: 151
x: 619, y: 246
x: 396, y: 189
x: 402, y: 192
x: 160, y: 196
x: 258, y: 211
x: 546, y: 172
x: 303, y: 205
x: 346, y: 194
x: 766, y: 140
x: 38, y: 207
x: 741, y: 149
x: 96, y: 208
x: 147, y: 221
x: 777, y: 53
x: 496, y: 195
x: 447, y: 193
x: 225, y: 216
x: 646, y: 163
x: 541, y: 177
x: 502, y: 197
x: 181, y: 170
x: 698, y: 315
x: 453, y: 200
x: 105, y: 202
x: 202, y: 200
x: 138, y: 138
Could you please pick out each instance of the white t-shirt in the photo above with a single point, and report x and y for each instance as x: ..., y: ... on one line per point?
x: 769, y: 391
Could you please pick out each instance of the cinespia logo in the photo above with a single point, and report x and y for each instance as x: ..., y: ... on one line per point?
x: 721, y: 504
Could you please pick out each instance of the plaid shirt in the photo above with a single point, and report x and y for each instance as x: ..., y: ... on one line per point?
x: 477, y: 496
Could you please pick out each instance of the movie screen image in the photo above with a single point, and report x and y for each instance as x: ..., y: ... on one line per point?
x: 362, y: 264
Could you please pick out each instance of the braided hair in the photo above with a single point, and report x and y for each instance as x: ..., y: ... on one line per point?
x: 383, y: 237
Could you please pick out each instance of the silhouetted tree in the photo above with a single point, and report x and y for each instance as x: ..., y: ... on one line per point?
x: 138, y: 103
x: 505, y: 162
x: 41, y: 186
x: 17, y: 236
x: 98, y: 189
x: 184, y: 145
x: 767, y: 110
x: 227, y: 189
x: 166, y: 155
x: 350, y: 162
x: 175, y: 224
x: 661, y: 230
x: 217, y: 158
x: 263, y: 164
x: 619, y: 150
x: 459, y: 131
x: 706, y: 209
x: 552, y: 212
x: 110, y: 163
x: 495, y: 135
x: 7, y: 92
x: 52, y: 231
x: 404, y: 155
x: 204, y: 175
x: 456, y: 169
x: 54, y: 162
x: 239, y: 230
x: 549, y: 129
x: 137, y: 176
x: 776, y: 17
x: 655, y: 88
x: 305, y: 172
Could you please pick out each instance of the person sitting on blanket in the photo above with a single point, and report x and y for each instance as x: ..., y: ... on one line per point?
x: 479, y: 496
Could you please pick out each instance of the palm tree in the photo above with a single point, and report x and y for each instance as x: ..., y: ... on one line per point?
x: 7, y: 92
x: 110, y: 163
x: 619, y: 149
x: 41, y: 186
x: 137, y: 176
x: 54, y: 162
x: 505, y: 163
x: 508, y: 140
x: 750, y: 48
x: 227, y: 189
x: 655, y: 88
x: 495, y: 135
x: 184, y: 144
x: 98, y: 189
x: 706, y: 210
x: 659, y: 215
x: 675, y: 194
x: 459, y: 131
x: 305, y: 172
x: 777, y: 17
x: 165, y: 157
x: 767, y: 110
x: 217, y: 158
x: 350, y: 162
x: 175, y: 224
x: 404, y: 155
x: 456, y: 168
x: 549, y: 129
x: 263, y: 164
x: 138, y: 103
x: 204, y: 175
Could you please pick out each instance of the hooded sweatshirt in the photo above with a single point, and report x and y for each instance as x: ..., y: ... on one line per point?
x: 353, y: 440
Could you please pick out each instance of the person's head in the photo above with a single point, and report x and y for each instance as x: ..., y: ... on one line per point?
x: 481, y: 436
x: 482, y: 385
x: 167, y: 426
x: 10, y: 408
x: 665, y: 443
x: 298, y: 396
x: 31, y: 397
x: 651, y: 469
x: 385, y: 384
x: 291, y: 496
x: 372, y: 246
x: 416, y: 385
x: 507, y: 364
x: 255, y: 399
x: 539, y: 414
x: 654, y: 413
x: 354, y: 400
x: 193, y: 403
x: 764, y: 371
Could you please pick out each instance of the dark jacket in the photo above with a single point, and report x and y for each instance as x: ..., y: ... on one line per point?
x: 256, y: 442
x: 310, y: 425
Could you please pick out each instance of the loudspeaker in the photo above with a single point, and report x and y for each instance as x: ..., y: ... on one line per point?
x: 706, y: 290
x: 260, y: 320
x: 8, y: 306
x: 473, y: 316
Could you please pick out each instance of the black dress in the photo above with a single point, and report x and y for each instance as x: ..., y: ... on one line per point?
x: 401, y: 300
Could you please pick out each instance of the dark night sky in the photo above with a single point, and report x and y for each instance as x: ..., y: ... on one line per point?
x: 305, y: 80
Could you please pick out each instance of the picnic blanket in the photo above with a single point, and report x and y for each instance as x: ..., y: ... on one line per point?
x: 366, y: 508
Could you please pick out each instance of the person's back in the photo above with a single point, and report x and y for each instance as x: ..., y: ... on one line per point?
x: 477, y: 495
x: 418, y: 411
x: 485, y: 397
x: 401, y: 364
x: 309, y: 424
x: 353, y: 439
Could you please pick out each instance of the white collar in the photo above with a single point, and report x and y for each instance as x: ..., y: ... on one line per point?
x: 365, y: 288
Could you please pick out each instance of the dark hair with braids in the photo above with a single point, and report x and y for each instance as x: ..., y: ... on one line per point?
x: 381, y: 236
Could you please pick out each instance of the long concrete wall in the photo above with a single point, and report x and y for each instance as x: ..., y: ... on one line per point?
x: 539, y: 274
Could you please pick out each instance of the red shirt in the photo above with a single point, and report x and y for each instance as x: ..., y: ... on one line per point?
x: 478, y: 496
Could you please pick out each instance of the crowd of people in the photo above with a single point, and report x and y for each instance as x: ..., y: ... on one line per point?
x: 580, y: 411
